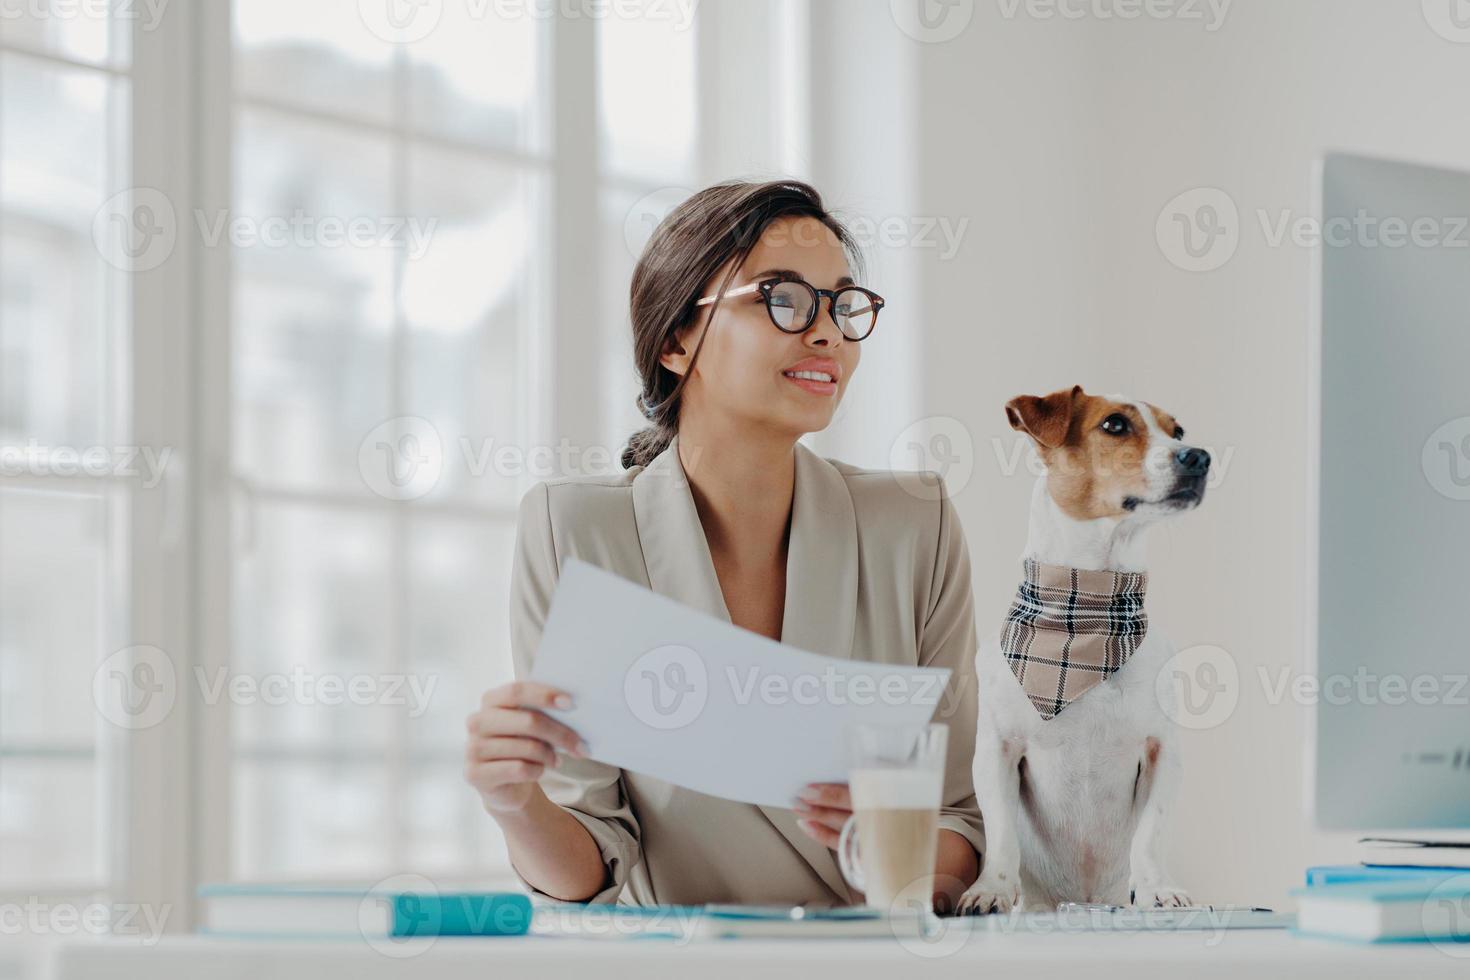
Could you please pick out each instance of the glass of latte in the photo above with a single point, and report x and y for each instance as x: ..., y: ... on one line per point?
x: 889, y: 844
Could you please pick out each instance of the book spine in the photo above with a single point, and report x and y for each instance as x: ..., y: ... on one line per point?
x: 1347, y: 874
x: 506, y: 914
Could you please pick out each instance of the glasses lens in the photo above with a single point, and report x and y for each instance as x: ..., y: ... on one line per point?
x: 791, y: 305
x: 855, y: 313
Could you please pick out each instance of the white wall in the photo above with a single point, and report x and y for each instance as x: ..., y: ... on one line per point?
x: 1048, y: 146
x: 864, y: 142
x: 1247, y: 109
x: 1061, y: 140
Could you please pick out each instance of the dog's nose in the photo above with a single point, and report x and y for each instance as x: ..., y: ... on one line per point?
x: 1194, y: 462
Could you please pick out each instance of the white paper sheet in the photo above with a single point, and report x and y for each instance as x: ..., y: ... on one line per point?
x: 662, y: 689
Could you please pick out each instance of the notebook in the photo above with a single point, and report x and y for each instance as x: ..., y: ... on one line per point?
x: 716, y: 921
x: 1410, y: 853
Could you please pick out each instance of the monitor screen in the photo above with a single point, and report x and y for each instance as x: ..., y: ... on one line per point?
x: 1390, y: 554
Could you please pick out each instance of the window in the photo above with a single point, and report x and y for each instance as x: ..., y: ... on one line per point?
x: 419, y: 328
x: 65, y: 93
x: 647, y: 88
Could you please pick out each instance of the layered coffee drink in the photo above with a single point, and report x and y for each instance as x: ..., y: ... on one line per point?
x: 897, y: 816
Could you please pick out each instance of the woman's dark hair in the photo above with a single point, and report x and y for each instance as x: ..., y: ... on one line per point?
x: 689, y: 247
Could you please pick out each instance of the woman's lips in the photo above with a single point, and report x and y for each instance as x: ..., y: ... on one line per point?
x: 816, y: 382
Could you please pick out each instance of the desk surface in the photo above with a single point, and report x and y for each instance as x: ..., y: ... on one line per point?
x: 959, y: 953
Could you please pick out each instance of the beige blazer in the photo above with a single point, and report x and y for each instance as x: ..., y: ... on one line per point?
x: 877, y: 570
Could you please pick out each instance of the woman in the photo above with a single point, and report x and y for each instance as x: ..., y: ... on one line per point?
x: 747, y: 330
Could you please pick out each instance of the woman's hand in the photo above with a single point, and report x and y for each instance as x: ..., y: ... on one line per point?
x: 823, y: 809
x: 510, y: 745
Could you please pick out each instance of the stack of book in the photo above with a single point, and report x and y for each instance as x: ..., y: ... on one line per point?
x: 316, y: 911
x: 1403, y: 891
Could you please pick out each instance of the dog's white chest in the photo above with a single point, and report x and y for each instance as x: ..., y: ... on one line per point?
x: 1076, y: 809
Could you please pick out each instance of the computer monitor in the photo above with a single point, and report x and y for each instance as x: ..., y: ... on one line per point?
x: 1389, y: 555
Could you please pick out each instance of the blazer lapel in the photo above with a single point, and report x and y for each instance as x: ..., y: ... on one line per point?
x: 821, y: 581
x: 821, y: 558
x: 675, y: 550
x: 821, y: 561
x: 821, y: 607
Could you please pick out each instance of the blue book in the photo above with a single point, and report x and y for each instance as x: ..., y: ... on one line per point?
x: 1347, y: 874
x: 1404, y: 910
x: 322, y: 912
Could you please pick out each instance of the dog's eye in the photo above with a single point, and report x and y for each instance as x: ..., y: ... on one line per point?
x: 1178, y: 432
x: 1115, y: 425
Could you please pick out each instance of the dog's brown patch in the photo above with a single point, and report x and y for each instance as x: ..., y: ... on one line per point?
x: 1148, y: 768
x: 1090, y: 471
x: 1089, y: 869
x: 1167, y: 423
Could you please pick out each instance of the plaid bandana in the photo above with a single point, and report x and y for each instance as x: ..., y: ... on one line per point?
x: 1069, y: 629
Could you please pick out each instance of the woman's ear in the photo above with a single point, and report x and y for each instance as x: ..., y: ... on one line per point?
x: 678, y: 350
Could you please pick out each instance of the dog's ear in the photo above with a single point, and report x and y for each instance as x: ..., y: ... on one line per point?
x: 1044, y: 419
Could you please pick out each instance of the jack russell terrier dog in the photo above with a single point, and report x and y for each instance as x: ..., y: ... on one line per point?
x: 1076, y: 790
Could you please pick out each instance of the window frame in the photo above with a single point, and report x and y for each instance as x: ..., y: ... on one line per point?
x: 146, y: 547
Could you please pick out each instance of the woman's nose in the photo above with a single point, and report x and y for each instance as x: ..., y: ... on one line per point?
x: 823, y: 332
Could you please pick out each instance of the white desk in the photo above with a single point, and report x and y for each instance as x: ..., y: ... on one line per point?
x: 1255, y: 955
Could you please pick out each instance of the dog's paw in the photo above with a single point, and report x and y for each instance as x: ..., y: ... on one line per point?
x: 998, y: 893
x: 1154, y: 894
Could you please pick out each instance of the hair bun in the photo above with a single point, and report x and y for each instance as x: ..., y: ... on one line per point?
x: 649, y: 411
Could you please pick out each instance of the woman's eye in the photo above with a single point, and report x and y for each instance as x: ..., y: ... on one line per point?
x: 1115, y: 425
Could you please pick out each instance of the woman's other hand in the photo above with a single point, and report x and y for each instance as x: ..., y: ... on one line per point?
x: 511, y: 744
x: 822, y: 809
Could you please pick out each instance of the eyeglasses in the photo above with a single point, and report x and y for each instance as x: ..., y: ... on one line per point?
x: 793, y: 303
